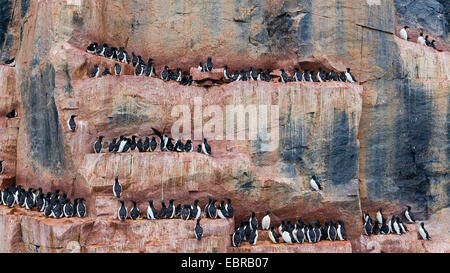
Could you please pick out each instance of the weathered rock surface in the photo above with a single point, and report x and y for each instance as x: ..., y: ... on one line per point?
x: 382, y: 143
x: 25, y: 231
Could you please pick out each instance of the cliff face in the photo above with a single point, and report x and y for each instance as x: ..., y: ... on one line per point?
x: 380, y: 143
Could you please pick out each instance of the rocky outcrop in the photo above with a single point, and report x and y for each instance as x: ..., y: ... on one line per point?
x: 24, y: 231
x: 376, y: 143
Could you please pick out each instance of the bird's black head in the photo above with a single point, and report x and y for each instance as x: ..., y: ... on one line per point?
x: 421, y: 34
x: 282, y: 222
x: 253, y: 214
x: 409, y: 207
x: 162, y: 203
x: 209, y: 197
x: 226, y: 67
x: 268, y: 212
x: 229, y: 200
x: 204, y: 140
x: 296, y: 69
x: 222, y: 202
x: 171, y: 201
x: 134, y: 202
x: 198, y: 221
x: 422, y: 224
x: 282, y: 69
x: 101, y: 137
x: 73, y: 116
x: 348, y: 69
x: 406, y: 27
x: 381, y: 210
x: 120, y: 201
x: 196, y: 201
x: 209, y: 59
x: 150, y: 202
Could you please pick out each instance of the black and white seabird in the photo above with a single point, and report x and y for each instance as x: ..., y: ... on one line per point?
x: 139, y: 71
x: 318, y: 231
x: 420, y: 39
x: 423, y: 232
x: 265, y: 223
x: 321, y: 75
x: 162, y: 212
x: 226, y: 73
x: 146, y: 144
x: 229, y: 208
x: 140, y: 145
x: 209, y: 65
x: 151, y: 211
x: 106, y: 72
x: 313, y: 77
x: 200, y: 67
x: 433, y: 45
x: 153, y: 145
x: 198, y: 230
x: 188, y: 147
x: 287, y: 235
x: 179, y: 146
x: 98, y: 145
x: 409, y: 215
x: 236, y: 238
x: 92, y: 48
x: 284, y: 76
x: 311, y: 234
x: 253, y: 75
x: 379, y: 215
x: 315, y: 183
x: 186, y: 212
x: 212, y: 209
x: 196, y: 211
x: 273, y: 236
x: 71, y: 123
x: 206, y: 149
x: 340, y: 230
x: 134, y: 59
x: 122, y: 212
x: 384, y: 228
x: 206, y: 210
x: 170, y: 211
x: 342, y: 77
x: 403, y: 228
x: 427, y: 42
x: 253, y: 238
x: 332, y: 232
x: 117, y: 188
x: 11, y: 62
x: 241, y: 231
x: 134, y: 212
x: 368, y: 228
x: 253, y: 221
x: 117, y: 69
x: 133, y: 143
x: 67, y: 209
x: 121, y: 144
x: 95, y: 71
x: 12, y: 114
x: 349, y: 76
x: 221, y: 211
x: 376, y: 228
x: 404, y: 33
x: 165, y: 73
x: 112, y: 145
x: 81, y: 208
x: 2, y: 169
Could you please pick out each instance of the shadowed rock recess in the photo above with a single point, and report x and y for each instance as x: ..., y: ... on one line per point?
x: 381, y: 142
